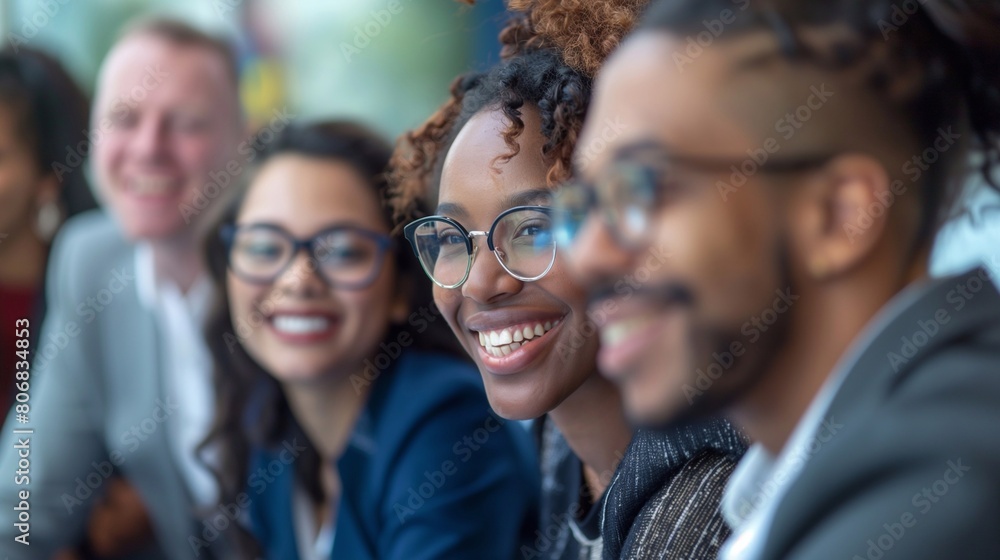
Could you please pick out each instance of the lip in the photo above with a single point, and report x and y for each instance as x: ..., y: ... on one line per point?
x: 167, y: 194
x: 645, y: 328
x: 521, y: 358
x: 304, y: 338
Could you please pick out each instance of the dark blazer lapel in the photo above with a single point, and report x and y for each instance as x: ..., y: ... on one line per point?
x: 883, y: 363
x: 874, y: 373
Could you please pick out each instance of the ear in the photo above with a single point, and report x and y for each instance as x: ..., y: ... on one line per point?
x: 843, y: 217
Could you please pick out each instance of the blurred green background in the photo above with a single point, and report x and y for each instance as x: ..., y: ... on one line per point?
x: 386, y: 62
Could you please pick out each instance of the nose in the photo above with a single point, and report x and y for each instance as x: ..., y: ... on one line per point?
x: 595, y: 258
x: 488, y: 282
x: 301, y: 278
x: 150, y: 141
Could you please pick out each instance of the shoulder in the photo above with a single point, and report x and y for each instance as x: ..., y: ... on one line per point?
x: 683, y: 518
x: 94, y: 229
x: 433, y: 405
x: 88, y: 243
x: 421, y: 383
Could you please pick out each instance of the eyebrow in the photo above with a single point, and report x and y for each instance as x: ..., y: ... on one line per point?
x: 530, y: 197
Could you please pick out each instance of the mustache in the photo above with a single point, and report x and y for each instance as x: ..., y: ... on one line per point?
x: 667, y: 294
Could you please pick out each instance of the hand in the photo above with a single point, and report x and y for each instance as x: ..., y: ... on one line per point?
x: 119, y: 524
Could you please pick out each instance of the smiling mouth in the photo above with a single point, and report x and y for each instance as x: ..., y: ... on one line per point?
x: 502, y: 342
x: 300, y: 324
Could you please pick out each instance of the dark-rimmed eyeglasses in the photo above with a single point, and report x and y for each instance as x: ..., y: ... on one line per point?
x: 628, y: 196
x: 346, y: 256
x: 520, y: 238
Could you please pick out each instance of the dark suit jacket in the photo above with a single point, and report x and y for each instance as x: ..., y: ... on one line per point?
x: 430, y: 473
x: 913, y: 470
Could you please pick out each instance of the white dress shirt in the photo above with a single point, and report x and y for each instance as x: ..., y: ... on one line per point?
x: 187, y: 366
x: 313, y: 543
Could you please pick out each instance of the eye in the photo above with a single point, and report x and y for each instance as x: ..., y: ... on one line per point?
x: 260, y: 250
x: 534, y: 228
x: 450, y: 236
x: 346, y: 254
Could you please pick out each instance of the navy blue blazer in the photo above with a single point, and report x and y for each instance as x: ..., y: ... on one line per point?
x: 430, y: 473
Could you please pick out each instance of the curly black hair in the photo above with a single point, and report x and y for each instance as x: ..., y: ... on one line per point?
x: 538, y: 78
x: 550, y: 53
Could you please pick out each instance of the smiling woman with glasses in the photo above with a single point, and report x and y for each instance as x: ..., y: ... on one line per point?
x: 491, y: 160
x: 325, y: 348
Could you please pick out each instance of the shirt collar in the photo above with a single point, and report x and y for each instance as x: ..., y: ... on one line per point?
x: 154, y: 287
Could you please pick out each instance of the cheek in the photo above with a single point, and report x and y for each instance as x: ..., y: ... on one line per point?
x: 202, y: 153
x: 448, y: 302
x: 723, y: 251
x: 242, y: 300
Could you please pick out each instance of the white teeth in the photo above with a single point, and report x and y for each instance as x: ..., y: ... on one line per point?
x: 614, y: 333
x: 299, y: 324
x: 151, y: 186
x: 503, y: 342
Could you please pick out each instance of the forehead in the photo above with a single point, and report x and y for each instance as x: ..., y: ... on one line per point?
x: 653, y: 90
x: 474, y: 174
x: 305, y: 194
x: 145, y: 68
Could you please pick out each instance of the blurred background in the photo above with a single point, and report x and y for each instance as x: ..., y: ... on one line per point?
x: 386, y: 62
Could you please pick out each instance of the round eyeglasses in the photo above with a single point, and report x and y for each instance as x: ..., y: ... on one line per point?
x: 520, y: 238
x: 346, y: 256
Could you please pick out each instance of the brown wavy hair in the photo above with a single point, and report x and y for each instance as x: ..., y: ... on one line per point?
x: 551, y: 51
x: 251, y: 410
x: 585, y: 32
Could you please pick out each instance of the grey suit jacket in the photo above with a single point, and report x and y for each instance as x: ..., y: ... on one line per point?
x: 914, y: 471
x: 97, y: 400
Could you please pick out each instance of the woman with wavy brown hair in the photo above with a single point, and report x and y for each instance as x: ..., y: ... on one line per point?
x: 489, y: 161
x: 345, y: 425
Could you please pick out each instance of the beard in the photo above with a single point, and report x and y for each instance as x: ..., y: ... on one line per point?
x: 717, y: 379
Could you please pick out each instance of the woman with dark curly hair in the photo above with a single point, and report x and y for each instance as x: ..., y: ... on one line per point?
x: 489, y: 161
x: 345, y: 426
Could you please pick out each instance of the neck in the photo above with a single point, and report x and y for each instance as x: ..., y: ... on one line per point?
x: 327, y: 412
x: 178, y: 259
x: 22, y: 259
x: 593, y: 422
x: 825, y: 323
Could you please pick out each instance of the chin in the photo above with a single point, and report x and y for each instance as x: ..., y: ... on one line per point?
x: 515, y: 405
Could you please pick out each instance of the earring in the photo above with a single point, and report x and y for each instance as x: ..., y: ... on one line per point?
x: 49, y: 220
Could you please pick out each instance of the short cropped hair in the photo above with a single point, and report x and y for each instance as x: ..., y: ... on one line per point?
x: 183, y: 34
